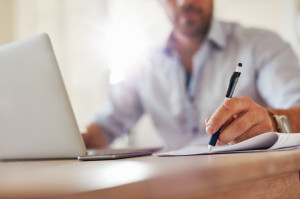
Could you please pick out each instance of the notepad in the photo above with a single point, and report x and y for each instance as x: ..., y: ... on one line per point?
x: 264, y: 142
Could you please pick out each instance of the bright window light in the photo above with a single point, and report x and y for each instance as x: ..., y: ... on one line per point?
x: 125, y: 43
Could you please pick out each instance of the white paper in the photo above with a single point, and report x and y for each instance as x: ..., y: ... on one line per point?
x: 265, y: 141
x: 287, y: 140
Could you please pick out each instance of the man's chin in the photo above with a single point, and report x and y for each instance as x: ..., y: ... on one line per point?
x: 188, y: 32
x: 194, y: 29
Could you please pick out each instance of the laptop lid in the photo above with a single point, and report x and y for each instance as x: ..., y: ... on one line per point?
x: 36, y: 117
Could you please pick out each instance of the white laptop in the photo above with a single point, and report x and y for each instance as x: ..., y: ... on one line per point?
x: 36, y: 117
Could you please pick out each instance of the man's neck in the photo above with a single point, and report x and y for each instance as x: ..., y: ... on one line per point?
x: 187, y: 43
x: 186, y: 47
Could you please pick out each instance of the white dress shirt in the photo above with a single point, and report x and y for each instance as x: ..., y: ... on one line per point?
x: 157, y: 85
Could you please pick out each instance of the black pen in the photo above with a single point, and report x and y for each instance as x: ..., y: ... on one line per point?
x: 233, y: 81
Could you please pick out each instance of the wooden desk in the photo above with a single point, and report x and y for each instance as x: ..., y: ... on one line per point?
x: 252, y: 175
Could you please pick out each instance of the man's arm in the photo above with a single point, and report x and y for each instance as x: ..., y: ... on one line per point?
x: 277, y: 82
x: 244, y: 119
x: 118, y: 114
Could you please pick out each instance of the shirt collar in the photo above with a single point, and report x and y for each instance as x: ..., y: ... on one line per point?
x: 216, y: 35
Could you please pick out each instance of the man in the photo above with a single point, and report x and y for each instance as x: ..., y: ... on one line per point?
x: 186, y: 81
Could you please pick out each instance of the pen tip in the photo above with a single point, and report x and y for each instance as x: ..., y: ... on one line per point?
x: 210, y: 148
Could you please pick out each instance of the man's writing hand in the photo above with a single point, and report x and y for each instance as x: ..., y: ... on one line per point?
x: 241, y: 119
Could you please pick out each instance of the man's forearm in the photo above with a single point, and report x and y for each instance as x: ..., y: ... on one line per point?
x: 293, y: 115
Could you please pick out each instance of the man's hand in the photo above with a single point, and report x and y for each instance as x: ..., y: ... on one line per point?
x: 94, y: 137
x: 241, y: 118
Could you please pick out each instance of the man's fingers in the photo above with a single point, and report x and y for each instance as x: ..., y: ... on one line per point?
x: 207, y: 119
x: 240, y: 126
x: 254, y: 131
x: 228, y: 122
x: 234, y: 106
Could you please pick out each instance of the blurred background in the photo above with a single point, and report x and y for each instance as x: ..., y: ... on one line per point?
x: 97, y: 40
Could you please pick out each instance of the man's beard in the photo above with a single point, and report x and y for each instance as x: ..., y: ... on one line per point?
x: 193, y: 28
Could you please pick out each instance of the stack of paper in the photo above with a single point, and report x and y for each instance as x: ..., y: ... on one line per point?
x: 264, y: 142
